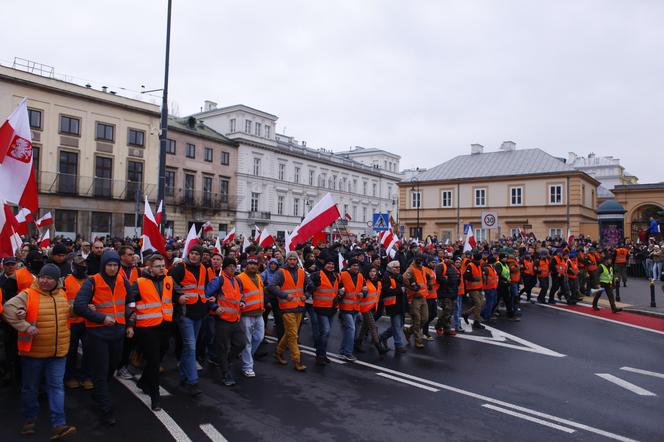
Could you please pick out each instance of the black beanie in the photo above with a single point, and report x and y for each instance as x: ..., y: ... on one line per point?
x: 50, y: 270
x: 228, y: 261
x: 59, y: 249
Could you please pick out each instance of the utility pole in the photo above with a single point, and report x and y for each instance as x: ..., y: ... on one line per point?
x: 163, y: 132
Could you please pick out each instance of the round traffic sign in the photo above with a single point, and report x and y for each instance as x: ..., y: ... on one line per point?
x: 489, y: 220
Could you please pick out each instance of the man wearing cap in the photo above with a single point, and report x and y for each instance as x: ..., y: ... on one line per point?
x: 393, y: 297
x: 473, y: 283
x: 288, y: 287
x: 59, y: 258
x: 251, y: 320
x: 324, y: 288
x: 351, y: 289
x: 85, y: 249
x: 74, y: 377
x: 39, y: 314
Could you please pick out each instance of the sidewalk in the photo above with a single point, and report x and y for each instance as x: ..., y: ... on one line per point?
x: 636, y: 298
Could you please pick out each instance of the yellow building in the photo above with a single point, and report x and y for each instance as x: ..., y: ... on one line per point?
x: 529, y: 191
x: 641, y: 201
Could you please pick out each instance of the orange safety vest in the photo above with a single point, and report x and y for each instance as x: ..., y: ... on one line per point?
x: 24, y: 342
x: 476, y: 283
x: 543, y: 271
x: 490, y: 279
x: 24, y: 279
x: 421, y: 279
x: 352, y: 292
x: 252, y: 293
x: 106, y: 302
x: 433, y: 293
x: 461, y: 290
x: 580, y: 260
x: 194, y: 287
x: 292, y: 288
x: 72, y: 286
x: 229, y: 299
x: 528, y: 267
x: 133, y: 274
x: 572, y: 268
x: 370, y: 302
x: 152, y: 310
x: 515, y: 270
x: 326, y: 292
x: 210, y: 272
x: 591, y: 266
x: 561, y: 266
x: 621, y: 255
x: 390, y: 300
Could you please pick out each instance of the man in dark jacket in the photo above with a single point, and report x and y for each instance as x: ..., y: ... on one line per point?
x: 322, y: 314
x: 94, y: 258
x: 448, y: 277
x: 59, y: 259
x: 394, y: 301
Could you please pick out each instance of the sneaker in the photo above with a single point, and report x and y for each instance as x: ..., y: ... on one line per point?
x: 617, y: 310
x: 123, y: 373
x: 401, y: 350
x: 229, y: 380
x: 88, y: 385
x: 327, y: 360
x: 460, y: 330
x: 29, y: 428
x: 193, y: 390
x: 419, y: 345
x: 280, y: 358
x: 320, y: 361
x: 249, y: 374
x: 62, y: 431
x: 428, y: 338
x: 213, y: 362
x: 478, y: 326
x: 348, y: 358
x: 299, y: 366
x: 155, y: 404
x: 450, y: 332
x: 72, y: 384
x: 465, y: 318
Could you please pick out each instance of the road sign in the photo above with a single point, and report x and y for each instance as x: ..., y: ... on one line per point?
x: 380, y: 221
x: 489, y: 220
x: 466, y: 227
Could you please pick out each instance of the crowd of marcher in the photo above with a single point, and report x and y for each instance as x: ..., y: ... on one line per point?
x: 80, y: 312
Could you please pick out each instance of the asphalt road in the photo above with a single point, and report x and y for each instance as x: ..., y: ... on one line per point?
x: 532, y: 380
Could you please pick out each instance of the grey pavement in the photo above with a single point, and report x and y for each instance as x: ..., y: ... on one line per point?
x: 636, y: 296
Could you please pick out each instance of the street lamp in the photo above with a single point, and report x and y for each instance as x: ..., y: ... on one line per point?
x: 416, y: 188
x: 163, y: 132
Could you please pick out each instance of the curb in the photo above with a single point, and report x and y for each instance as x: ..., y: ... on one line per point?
x: 639, y: 311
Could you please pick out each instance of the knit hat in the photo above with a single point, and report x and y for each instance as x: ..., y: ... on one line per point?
x: 59, y: 249
x: 51, y: 271
x: 292, y: 254
x: 228, y: 261
x: 198, y: 249
x: 252, y: 260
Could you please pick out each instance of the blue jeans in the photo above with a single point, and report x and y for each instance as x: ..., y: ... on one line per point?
x: 514, y: 292
x: 491, y: 296
x: 395, y: 331
x: 324, y: 328
x: 77, y: 334
x: 348, y: 329
x: 210, y: 329
x: 315, y: 332
x: 189, y: 329
x: 457, y: 312
x: 53, y: 370
x: 254, y: 331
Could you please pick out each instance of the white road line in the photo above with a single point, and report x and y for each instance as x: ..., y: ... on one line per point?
x: 212, y: 433
x: 311, y: 353
x: 645, y: 372
x: 406, y: 381
x: 176, y: 431
x: 603, y: 319
x: 529, y: 418
x: 626, y: 385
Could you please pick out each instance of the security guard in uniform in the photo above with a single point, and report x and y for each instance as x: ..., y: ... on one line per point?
x: 606, y: 283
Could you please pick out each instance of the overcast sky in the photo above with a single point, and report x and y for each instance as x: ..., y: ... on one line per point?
x: 423, y: 79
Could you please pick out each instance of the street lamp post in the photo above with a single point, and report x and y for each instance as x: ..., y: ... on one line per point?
x: 163, y: 132
x: 416, y: 188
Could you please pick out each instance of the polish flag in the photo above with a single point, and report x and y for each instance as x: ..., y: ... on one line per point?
x: 217, y: 246
x: 342, y: 262
x: 206, y: 228
x: 191, y: 241
x: 158, y: 216
x: 6, y: 234
x: 265, y: 240
x: 45, y: 240
x: 289, y: 246
x: 23, y: 217
x: 229, y: 238
x: 347, y: 216
x: 469, y: 243
x: 152, y: 238
x: 570, y: 237
x: 45, y: 220
x: 323, y: 214
x: 245, y: 243
x: 17, y: 178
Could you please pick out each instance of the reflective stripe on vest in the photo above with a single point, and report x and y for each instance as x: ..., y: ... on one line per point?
x: 253, y: 294
x: 108, y: 303
x: 370, y: 301
x: 192, y: 287
x: 543, y: 268
x: 476, y: 282
x: 229, y: 299
x: 295, y: 288
x: 72, y: 286
x: 433, y: 293
x: 490, y: 279
x: 24, y: 343
x: 352, y: 292
x: 326, y: 292
x: 152, y: 309
x: 390, y: 300
x: 606, y: 277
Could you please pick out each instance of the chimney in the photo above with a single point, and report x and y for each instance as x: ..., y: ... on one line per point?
x: 508, y: 146
x: 571, y: 157
x: 104, y: 89
x: 476, y: 149
x: 209, y: 105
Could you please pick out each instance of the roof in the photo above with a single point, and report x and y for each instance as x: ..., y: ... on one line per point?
x: 610, y: 206
x: 359, y: 150
x: 233, y: 107
x: 198, y: 129
x: 648, y: 186
x: 496, y: 164
x: 603, y: 192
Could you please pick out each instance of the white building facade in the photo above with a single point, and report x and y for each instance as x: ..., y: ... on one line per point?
x: 280, y: 179
x: 606, y: 170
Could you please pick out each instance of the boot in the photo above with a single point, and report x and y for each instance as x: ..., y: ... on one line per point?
x: 299, y: 366
x: 229, y: 380
x: 358, y: 346
x: 29, y: 428
x: 381, y: 349
x: 478, y: 326
x: 280, y: 358
x: 88, y: 385
x: 320, y: 361
x: 155, y: 404
x: 62, y: 431
x: 72, y: 383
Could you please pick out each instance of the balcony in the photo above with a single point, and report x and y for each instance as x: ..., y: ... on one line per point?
x: 190, y: 199
x: 93, y: 187
x: 260, y: 216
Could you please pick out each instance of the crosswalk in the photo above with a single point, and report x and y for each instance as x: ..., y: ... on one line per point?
x: 630, y: 386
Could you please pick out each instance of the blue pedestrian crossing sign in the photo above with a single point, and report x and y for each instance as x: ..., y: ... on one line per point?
x: 380, y: 221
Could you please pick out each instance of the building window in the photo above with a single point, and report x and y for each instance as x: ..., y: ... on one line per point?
x: 416, y: 232
x: 169, y: 182
x: 282, y: 171
x: 364, y: 188
x: 223, y: 228
x: 280, y: 205
x: 296, y: 175
x: 481, y: 235
x: 480, y: 197
x: 296, y: 206
x: 311, y: 177
x: 104, y: 132
x: 68, y: 172
x: 446, y: 198
x: 415, y: 200
x: 257, y: 129
x: 355, y: 186
x: 583, y: 195
x: 267, y: 131
x: 35, y: 118
x: 134, y: 179
x: 103, y: 177
x: 254, y: 201
x: 101, y: 222
x: 232, y: 125
x: 515, y: 232
x: 190, y: 150
x: 208, y: 154
x: 223, y: 189
x: 189, y: 185
x: 364, y: 214
x: 345, y: 210
x: 555, y: 232
x: 225, y: 158
x: 207, y: 191
x: 135, y: 137
x: 330, y: 183
x: 375, y: 189
x: 170, y: 146
x: 516, y: 196
x: 70, y: 125
x: 247, y: 126
x: 556, y: 194
x: 257, y: 166
x: 35, y: 162
x: 65, y: 220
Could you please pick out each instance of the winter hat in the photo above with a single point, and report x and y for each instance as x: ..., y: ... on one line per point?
x: 51, y: 271
x: 292, y: 254
x: 198, y: 249
x: 252, y: 260
x: 59, y: 249
x: 228, y: 261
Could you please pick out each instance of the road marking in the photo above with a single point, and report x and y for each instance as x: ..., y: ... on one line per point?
x: 406, y: 381
x: 645, y: 372
x: 212, y: 433
x: 529, y: 418
x: 311, y: 353
x: 626, y: 385
x: 603, y: 319
x: 176, y: 431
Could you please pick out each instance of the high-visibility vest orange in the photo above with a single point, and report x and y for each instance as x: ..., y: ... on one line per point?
x: 433, y: 293
x: 581, y: 257
x: 72, y: 286
x: 515, y: 270
x: 490, y: 278
x: 421, y: 280
x: 152, y: 309
x: 211, y: 274
x: 621, y: 255
x: 370, y: 301
x: 24, y: 342
x: 528, y: 267
x: 390, y: 300
x: 326, y: 292
x: 252, y: 292
x: 561, y: 266
x: 543, y: 268
x: 229, y: 299
x: 476, y: 282
x: 572, y: 268
x: 133, y: 274
x: 352, y: 292
x: 591, y: 265
x: 291, y: 287
x: 107, y: 302
x: 461, y: 290
x: 194, y: 287
x: 24, y: 279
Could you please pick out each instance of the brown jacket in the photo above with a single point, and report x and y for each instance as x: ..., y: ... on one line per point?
x: 53, y: 337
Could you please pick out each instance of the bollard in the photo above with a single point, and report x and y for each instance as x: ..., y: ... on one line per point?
x: 617, y: 286
x: 652, y: 293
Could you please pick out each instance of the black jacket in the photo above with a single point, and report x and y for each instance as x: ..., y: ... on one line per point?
x: 192, y: 311
x: 401, y: 305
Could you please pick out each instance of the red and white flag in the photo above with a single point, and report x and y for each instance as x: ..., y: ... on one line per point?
x: 191, y: 241
x: 570, y: 237
x: 469, y: 243
x: 265, y: 240
x: 347, y: 216
x: 245, y: 242
x: 45, y: 220
x: 17, y: 178
x: 323, y: 214
x: 206, y: 228
x: 342, y: 262
x: 158, y: 215
x: 152, y: 238
x: 229, y: 238
x: 217, y: 246
x: 45, y: 240
x: 6, y: 233
x: 23, y: 217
